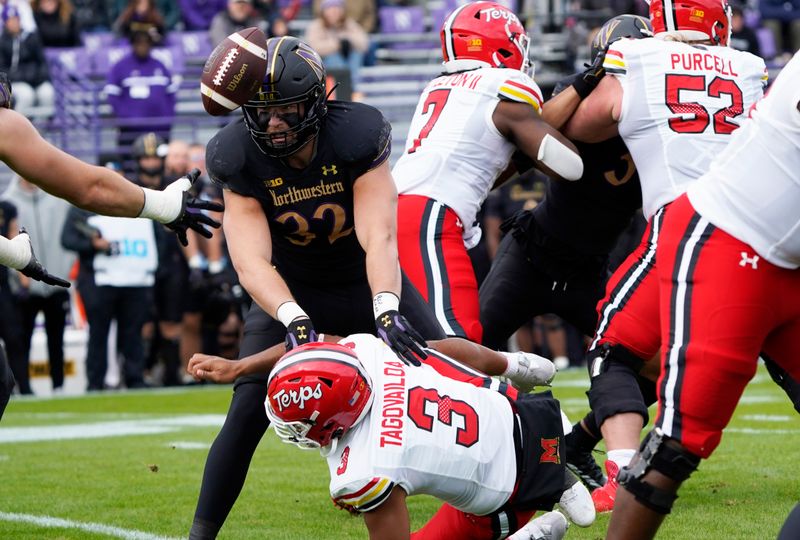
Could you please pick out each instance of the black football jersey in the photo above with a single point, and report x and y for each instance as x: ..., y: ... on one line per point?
x: 310, y: 211
x: 589, y: 214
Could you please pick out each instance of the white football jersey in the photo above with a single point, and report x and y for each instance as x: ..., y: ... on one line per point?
x: 427, y: 434
x: 680, y: 104
x: 752, y: 190
x: 454, y: 152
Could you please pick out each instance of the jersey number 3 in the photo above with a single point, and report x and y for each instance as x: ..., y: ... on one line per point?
x: 419, y: 397
x: 437, y: 100
x: 716, y: 88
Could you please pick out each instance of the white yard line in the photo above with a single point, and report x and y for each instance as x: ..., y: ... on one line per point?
x: 98, y: 430
x: 96, y: 528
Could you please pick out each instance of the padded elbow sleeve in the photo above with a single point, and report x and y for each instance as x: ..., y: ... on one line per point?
x: 557, y: 157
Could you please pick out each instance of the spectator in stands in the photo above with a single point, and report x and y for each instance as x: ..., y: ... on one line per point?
x: 141, y: 91
x: 43, y: 216
x: 176, y: 163
x: 168, y: 9
x: 197, y: 14
x: 23, y: 10
x: 239, y: 14
x: 118, y: 259
x: 338, y: 39
x: 364, y: 12
x: 743, y: 37
x: 92, y: 15
x: 783, y: 18
x: 22, y: 57
x: 276, y: 18
x: 140, y: 16
x: 10, y: 327
x: 57, y: 24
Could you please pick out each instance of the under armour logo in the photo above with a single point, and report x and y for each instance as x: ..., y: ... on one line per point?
x: 386, y: 320
x: 301, y: 332
x: 331, y: 169
x: 752, y: 261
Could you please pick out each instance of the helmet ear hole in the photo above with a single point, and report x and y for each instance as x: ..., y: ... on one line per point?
x: 505, y: 53
x: 327, y: 382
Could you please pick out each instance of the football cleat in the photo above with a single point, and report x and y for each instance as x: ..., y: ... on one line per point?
x: 604, y: 497
x: 583, y: 465
x: 533, y: 370
x: 576, y: 502
x: 549, y: 526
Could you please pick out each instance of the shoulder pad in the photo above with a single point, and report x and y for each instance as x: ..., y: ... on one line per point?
x: 614, y: 62
x: 225, y: 158
x: 360, y: 133
x: 516, y: 86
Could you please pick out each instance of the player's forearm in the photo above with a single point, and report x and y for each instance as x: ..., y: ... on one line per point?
x: 383, y: 268
x: 558, y: 110
x: 264, y: 284
x: 261, y: 362
x: 472, y: 354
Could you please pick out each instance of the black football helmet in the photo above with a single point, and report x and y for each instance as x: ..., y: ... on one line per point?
x: 295, y: 76
x: 629, y: 26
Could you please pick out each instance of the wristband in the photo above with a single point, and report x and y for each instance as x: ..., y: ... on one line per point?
x: 289, y: 311
x: 165, y: 206
x: 15, y: 253
x: 385, y: 301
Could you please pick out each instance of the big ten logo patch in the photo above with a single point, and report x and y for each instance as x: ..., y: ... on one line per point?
x: 273, y: 182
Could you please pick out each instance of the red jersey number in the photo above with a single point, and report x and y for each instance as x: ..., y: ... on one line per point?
x: 436, y: 101
x: 701, y: 118
x: 418, y: 397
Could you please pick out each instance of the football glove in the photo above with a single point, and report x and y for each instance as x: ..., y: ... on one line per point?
x: 299, y: 331
x: 5, y: 91
x: 398, y: 334
x: 191, y: 216
x: 591, y: 76
x: 35, y: 270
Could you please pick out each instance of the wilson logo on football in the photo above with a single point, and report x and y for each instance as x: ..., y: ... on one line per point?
x: 285, y: 399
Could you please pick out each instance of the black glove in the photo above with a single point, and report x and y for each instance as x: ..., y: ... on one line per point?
x: 35, y: 270
x: 398, y: 334
x: 590, y: 78
x: 194, y: 220
x: 299, y: 331
x: 5, y: 91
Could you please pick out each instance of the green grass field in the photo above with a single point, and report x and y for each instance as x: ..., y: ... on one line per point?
x: 138, y: 475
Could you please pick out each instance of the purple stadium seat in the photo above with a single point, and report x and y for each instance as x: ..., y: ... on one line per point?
x: 74, y: 59
x: 94, y: 41
x: 766, y: 42
x: 172, y: 57
x: 401, y: 20
x: 752, y: 18
x: 193, y: 44
x: 103, y: 59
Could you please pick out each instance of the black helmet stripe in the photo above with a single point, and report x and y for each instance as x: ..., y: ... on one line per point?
x: 274, y: 61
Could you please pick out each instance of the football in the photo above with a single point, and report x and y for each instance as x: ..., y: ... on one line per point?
x: 234, y: 71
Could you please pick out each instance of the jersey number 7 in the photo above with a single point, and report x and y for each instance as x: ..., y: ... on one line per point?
x: 436, y: 99
x: 702, y: 118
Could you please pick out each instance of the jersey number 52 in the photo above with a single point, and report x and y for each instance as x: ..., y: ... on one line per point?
x: 720, y: 120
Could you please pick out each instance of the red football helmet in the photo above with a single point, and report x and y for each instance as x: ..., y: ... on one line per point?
x: 484, y: 34
x: 316, y: 393
x: 692, y: 19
